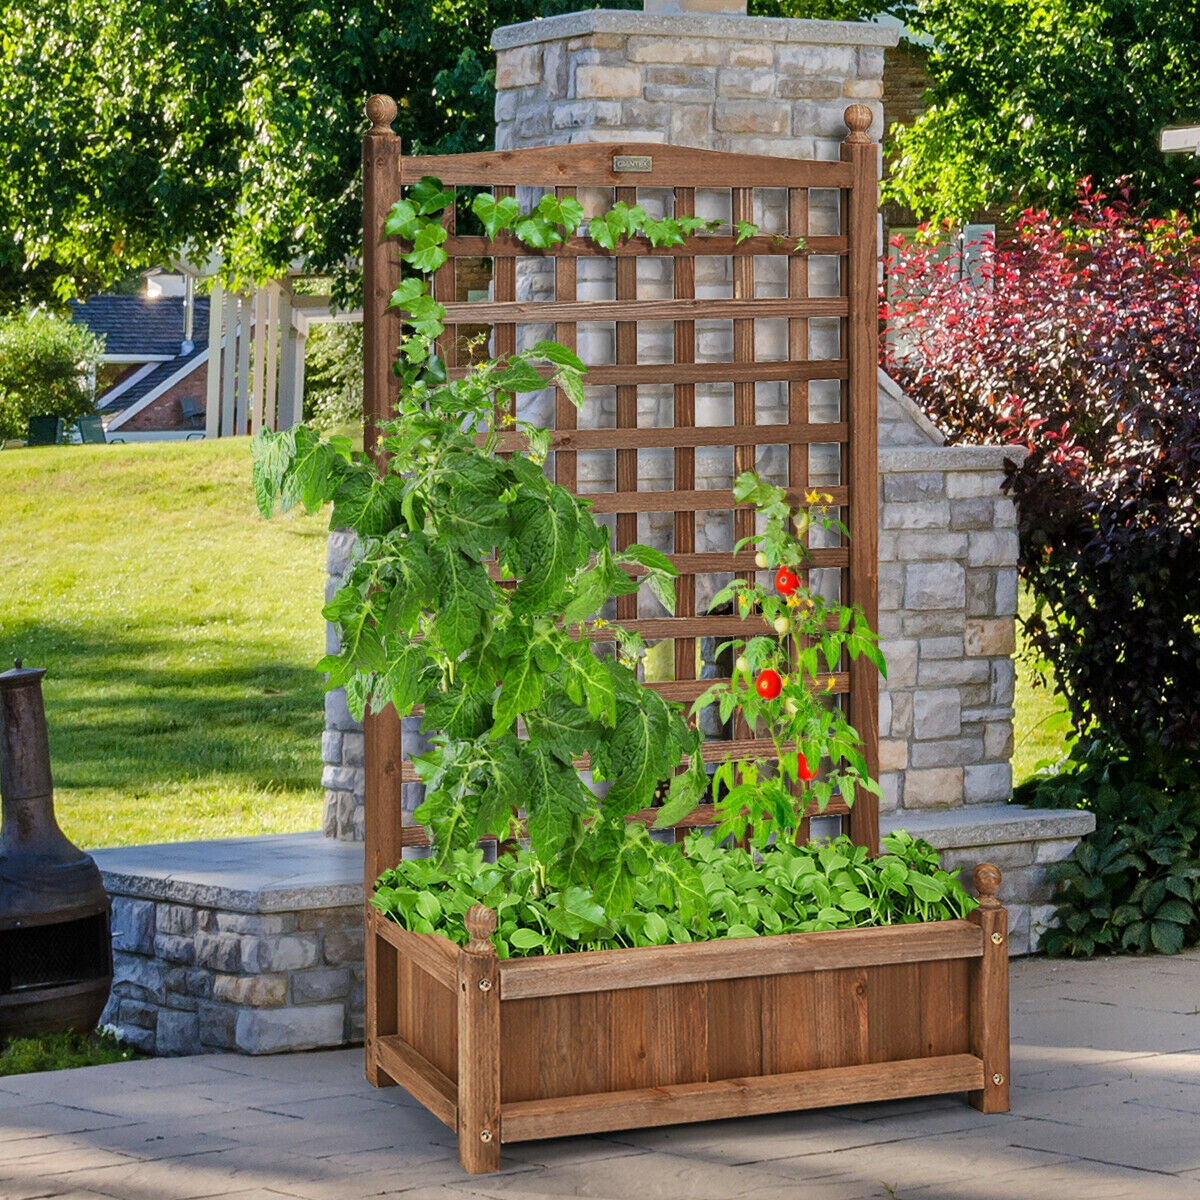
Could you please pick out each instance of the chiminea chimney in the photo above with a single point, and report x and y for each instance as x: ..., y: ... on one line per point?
x: 55, y: 943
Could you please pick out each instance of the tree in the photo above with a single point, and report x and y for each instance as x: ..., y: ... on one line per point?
x: 135, y: 130
x: 46, y: 369
x: 1030, y: 96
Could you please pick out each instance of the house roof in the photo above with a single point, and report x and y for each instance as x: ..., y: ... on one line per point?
x: 137, y: 326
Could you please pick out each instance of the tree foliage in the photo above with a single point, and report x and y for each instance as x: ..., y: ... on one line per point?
x: 1029, y: 96
x: 1080, y: 340
x: 46, y: 369
x: 134, y: 130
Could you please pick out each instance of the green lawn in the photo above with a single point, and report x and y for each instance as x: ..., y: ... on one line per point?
x: 179, y: 631
x: 1039, y: 713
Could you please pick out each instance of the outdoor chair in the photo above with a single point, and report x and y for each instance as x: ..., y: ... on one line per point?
x: 45, y: 431
x: 91, y: 430
x: 193, y: 411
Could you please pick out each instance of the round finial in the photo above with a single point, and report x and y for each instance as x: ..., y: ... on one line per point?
x: 381, y: 111
x: 858, y: 118
x: 16, y: 664
x: 987, y: 884
x: 481, y: 924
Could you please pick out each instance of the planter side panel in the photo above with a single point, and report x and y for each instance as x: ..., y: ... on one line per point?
x: 612, y: 1041
x: 427, y: 1017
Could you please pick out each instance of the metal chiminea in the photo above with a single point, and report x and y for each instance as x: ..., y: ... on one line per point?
x: 55, y: 945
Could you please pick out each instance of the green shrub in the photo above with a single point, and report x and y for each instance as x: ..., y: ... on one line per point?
x: 46, y: 369
x: 333, y: 379
x: 694, y: 892
x: 1133, y: 884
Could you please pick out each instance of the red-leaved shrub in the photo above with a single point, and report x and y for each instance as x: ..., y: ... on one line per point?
x: 1080, y: 339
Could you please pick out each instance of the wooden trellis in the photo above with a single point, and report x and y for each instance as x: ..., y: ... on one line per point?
x: 531, y: 1048
x: 622, y: 171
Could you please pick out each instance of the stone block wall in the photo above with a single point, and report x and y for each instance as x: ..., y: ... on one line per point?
x: 194, y: 977
x: 755, y: 85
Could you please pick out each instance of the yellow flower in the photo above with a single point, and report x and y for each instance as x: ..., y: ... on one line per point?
x: 827, y: 497
x: 743, y: 602
x: 793, y: 600
x: 829, y: 684
x: 599, y: 623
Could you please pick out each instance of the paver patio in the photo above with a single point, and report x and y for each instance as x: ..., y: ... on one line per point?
x: 1106, y: 1075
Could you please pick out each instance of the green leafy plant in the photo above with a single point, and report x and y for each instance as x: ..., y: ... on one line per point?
x: 1134, y: 883
x: 475, y: 590
x: 783, y: 682
x: 697, y: 890
x: 46, y: 369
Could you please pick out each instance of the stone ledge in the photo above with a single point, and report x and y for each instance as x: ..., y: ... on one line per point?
x: 266, y: 874
x: 959, y: 457
x: 738, y: 28
x: 989, y: 824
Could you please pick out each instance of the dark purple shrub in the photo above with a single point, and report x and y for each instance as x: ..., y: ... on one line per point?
x: 1080, y: 339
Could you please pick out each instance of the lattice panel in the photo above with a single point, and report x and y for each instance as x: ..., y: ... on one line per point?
x: 705, y: 360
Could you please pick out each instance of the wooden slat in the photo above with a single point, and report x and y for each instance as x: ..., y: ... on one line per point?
x: 861, y: 347
x: 565, y: 414
x: 652, y: 437
x: 701, y: 817
x: 536, y: 312
x: 798, y: 393
x: 696, y: 372
x: 987, y: 999
x: 626, y: 355
x: 780, y: 954
x: 689, y: 689
x: 684, y: 421
x: 382, y: 751
x: 505, y: 245
x: 591, y: 166
x: 479, y: 1047
x: 434, y: 955
x: 713, y: 498
x: 419, y: 1077
x: 680, y: 1103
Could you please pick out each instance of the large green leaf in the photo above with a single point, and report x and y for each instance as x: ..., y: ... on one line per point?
x: 545, y: 531
x: 555, y: 800
x: 464, y: 595
x: 366, y: 503
x: 521, y: 685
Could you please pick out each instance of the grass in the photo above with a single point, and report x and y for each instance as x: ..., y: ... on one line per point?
x: 179, y: 631
x: 1039, y: 714
x: 61, y: 1052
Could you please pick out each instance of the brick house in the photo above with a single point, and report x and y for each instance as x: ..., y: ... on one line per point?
x: 155, y: 364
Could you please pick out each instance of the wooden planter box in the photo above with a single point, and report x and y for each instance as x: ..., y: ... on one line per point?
x: 521, y: 1049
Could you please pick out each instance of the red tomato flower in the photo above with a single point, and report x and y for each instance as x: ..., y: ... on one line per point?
x: 768, y: 684
x: 786, y: 581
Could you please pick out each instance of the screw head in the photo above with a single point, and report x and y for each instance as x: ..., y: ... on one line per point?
x: 997, y: 938
x: 485, y: 1135
x: 485, y: 985
x: 997, y: 1079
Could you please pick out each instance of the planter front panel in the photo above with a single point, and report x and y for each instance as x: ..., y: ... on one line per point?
x: 614, y: 1041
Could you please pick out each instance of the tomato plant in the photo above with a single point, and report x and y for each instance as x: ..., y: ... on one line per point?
x: 476, y: 584
x: 785, y: 683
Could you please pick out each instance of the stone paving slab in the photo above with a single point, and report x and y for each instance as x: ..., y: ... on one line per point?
x: 1106, y: 1095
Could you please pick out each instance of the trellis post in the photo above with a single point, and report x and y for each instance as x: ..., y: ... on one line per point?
x: 381, y: 741
x: 862, y: 350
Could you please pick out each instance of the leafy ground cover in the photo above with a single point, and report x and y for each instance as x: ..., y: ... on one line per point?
x: 62, y: 1052
x: 696, y: 891
x: 179, y: 632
